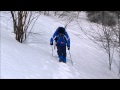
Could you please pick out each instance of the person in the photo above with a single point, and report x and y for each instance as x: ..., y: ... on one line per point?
x: 62, y: 40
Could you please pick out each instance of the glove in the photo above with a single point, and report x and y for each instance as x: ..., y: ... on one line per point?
x: 68, y: 48
x: 51, y: 43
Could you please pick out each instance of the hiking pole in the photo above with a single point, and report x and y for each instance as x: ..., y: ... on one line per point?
x: 54, y: 45
x: 70, y: 57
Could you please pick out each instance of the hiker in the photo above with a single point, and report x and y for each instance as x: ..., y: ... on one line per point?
x: 62, y: 40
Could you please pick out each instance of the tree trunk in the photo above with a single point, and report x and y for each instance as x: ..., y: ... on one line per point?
x: 109, y: 54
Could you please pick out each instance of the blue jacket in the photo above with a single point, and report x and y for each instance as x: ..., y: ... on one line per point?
x: 66, y: 36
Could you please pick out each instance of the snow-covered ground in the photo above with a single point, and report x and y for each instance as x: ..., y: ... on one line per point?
x: 33, y: 59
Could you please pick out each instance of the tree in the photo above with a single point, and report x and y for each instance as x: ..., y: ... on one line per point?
x: 68, y: 17
x: 21, y: 23
x: 102, y: 35
x: 117, y: 35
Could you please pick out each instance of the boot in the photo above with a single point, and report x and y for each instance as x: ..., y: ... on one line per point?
x: 60, y: 60
x: 64, y: 59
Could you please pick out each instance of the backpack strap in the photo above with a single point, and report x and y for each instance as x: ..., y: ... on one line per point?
x: 66, y: 38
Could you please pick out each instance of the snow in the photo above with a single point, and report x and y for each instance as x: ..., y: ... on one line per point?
x: 33, y: 59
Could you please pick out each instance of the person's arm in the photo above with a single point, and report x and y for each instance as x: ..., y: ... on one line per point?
x: 53, y: 37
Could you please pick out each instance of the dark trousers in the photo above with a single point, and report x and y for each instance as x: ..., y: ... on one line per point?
x: 61, y: 50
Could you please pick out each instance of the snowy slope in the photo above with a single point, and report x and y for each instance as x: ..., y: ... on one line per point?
x: 33, y: 58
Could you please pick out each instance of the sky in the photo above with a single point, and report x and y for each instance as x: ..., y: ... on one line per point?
x: 33, y: 59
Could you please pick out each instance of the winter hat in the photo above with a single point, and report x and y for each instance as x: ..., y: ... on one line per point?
x: 61, y: 29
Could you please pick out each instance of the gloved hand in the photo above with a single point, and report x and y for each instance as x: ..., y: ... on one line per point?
x: 51, y: 43
x: 68, y: 48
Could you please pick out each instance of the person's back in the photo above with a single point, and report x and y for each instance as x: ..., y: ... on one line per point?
x: 62, y: 39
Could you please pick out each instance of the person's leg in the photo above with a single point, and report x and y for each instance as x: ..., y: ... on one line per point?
x: 59, y: 51
x: 64, y: 53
